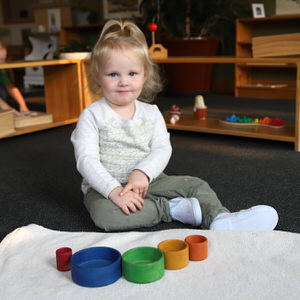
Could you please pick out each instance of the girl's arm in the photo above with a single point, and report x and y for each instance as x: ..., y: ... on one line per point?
x: 85, y: 139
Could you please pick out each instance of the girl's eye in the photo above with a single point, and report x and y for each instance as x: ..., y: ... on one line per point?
x: 132, y: 73
x: 113, y: 74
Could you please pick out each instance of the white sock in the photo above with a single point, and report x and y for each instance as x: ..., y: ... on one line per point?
x: 186, y: 210
x: 260, y: 217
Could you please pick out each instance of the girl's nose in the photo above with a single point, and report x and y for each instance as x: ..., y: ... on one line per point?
x: 123, y: 81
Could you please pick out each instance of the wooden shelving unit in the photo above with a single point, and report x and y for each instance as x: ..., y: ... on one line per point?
x: 246, y: 83
x: 63, y: 96
x: 289, y: 133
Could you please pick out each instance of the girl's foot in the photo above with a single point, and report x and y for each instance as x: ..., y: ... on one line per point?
x: 186, y: 210
x: 260, y: 217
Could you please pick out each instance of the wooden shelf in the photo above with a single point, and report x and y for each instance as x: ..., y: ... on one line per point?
x: 30, y: 129
x: 266, y: 65
x: 246, y: 29
x: 63, y: 97
x: 35, y: 63
x: 288, y: 92
x: 189, y: 123
x: 228, y: 60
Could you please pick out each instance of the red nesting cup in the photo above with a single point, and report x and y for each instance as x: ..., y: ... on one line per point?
x: 63, y: 256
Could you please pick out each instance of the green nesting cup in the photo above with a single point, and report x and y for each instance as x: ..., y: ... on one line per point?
x: 143, y: 264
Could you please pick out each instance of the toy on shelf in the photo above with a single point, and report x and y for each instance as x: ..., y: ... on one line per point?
x: 248, y: 121
x: 200, y: 109
x: 156, y: 50
x: 175, y: 114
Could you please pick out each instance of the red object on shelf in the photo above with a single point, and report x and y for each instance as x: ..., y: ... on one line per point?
x: 277, y: 122
x: 152, y: 27
x: 175, y: 110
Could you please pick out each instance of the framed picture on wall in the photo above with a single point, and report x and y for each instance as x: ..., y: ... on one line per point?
x: 16, y: 11
x: 258, y: 10
x: 121, y: 9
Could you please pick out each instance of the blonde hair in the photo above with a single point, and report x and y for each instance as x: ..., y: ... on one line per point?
x: 119, y: 35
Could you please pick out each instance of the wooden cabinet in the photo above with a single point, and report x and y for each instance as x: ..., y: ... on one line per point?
x: 289, y: 133
x: 88, y: 96
x: 264, y: 80
x: 63, y: 89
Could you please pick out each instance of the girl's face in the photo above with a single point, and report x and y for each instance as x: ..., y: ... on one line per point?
x: 122, y: 77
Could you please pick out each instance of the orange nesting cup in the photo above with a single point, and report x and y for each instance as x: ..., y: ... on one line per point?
x: 176, y: 254
x: 198, y: 247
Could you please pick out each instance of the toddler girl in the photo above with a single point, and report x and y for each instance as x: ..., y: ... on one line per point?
x: 122, y: 148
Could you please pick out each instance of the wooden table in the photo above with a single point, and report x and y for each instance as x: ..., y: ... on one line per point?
x: 289, y: 133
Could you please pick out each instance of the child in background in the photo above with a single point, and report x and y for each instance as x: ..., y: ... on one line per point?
x: 7, y: 86
x: 122, y: 148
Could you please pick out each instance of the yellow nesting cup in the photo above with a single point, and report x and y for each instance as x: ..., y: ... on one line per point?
x: 176, y: 254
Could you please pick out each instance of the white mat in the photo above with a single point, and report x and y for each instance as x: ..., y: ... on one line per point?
x: 240, y: 265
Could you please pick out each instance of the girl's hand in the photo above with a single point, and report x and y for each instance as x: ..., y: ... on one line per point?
x: 138, y: 182
x: 131, y: 201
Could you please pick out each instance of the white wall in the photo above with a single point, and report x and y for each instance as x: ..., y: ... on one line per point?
x: 284, y: 7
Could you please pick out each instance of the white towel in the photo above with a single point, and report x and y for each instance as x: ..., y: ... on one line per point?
x: 240, y: 265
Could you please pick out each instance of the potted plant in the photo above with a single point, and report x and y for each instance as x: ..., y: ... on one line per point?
x: 74, y: 50
x: 193, y: 28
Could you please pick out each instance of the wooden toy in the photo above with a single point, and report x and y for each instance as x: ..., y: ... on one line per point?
x: 200, y: 109
x: 30, y: 118
x: 63, y: 256
x: 175, y: 113
x: 156, y: 50
x: 197, y: 247
x: 96, y: 266
x: 176, y: 254
x: 143, y: 264
x: 6, y: 122
x: 248, y: 121
x: 101, y: 266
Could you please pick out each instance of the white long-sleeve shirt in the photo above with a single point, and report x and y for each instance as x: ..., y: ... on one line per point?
x: 108, y: 147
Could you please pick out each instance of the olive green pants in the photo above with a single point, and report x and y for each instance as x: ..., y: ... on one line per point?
x: 106, y: 215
